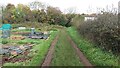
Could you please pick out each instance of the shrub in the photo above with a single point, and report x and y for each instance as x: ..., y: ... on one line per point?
x: 104, y: 32
x: 4, y: 41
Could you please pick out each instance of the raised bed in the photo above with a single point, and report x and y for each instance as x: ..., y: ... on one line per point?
x: 9, y: 53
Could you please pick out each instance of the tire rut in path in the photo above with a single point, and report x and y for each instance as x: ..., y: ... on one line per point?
x: 81, y: 56
x: 49, y: 55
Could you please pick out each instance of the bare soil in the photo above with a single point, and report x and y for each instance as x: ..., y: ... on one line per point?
x: 49, y: 55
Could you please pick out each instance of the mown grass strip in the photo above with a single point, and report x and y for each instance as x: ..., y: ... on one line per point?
x: 64, y: 54
x: 94, y: 54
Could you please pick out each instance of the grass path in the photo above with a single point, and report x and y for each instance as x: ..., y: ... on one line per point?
x: 94, y: 54
x: 64, y: 54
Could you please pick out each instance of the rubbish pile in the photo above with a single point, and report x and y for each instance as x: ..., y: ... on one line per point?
x: 14, y: 50
x: 38, y: 35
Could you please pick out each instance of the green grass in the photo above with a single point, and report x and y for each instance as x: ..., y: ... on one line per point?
x: 4, y: 41
x: 64, y: 54
x: 94, y: 54
x: 38, y: 52
x: 40, y: 27
x: 32, y: 41
x: 19, y: 42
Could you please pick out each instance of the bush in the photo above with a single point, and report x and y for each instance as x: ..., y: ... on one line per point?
x: 4, y: 41
x: 104, y: 32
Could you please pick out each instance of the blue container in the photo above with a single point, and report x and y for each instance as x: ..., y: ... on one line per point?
x: 5, y: 30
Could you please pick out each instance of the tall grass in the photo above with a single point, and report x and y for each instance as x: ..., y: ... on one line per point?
x: 103, y: 31
x: 94, y: 54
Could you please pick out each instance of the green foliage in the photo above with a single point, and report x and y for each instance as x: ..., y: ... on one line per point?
x: 11, y: 64
x: 94, y: 54
x: 7, y: 14
x: 22, y: 14
x: 5, y: 41
x: 77, y: 20
x: 104, y: 32
x: 25, y: 41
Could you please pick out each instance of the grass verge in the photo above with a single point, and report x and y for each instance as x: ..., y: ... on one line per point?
x: 94, y: 54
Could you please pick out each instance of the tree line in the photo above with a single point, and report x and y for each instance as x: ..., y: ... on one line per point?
x: 104, y: 31
x: 36, y: 12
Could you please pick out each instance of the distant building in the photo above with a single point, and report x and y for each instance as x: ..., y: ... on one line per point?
x: 90, y: 17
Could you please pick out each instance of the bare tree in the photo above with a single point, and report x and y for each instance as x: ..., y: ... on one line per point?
x: 36, y: 5
x: 108, y: 8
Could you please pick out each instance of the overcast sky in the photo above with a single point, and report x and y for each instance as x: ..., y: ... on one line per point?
x: 81, y: 6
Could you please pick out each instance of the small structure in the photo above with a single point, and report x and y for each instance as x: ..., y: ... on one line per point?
x: 21, y: 28
x: 90, y: 17
x: 5, y: 30
x: 32, y: 31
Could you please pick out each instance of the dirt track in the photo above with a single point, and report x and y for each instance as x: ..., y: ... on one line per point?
x: 49, y: 55
x: 81, y: 56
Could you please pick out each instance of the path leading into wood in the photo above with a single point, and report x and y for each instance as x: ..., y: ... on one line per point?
x: 50, y: 53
